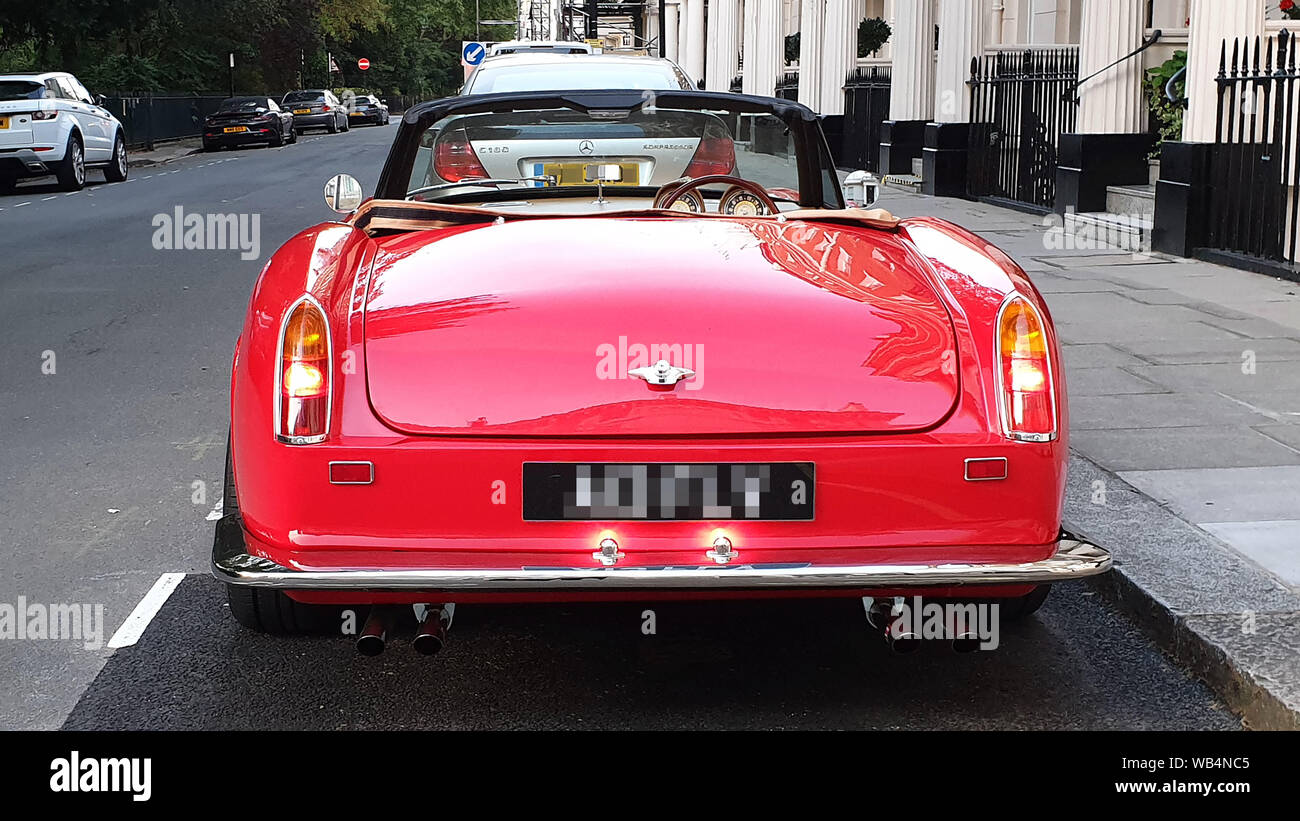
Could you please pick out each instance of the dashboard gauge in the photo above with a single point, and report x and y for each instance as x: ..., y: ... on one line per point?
x: 737, y: 202
x: 690, y: 202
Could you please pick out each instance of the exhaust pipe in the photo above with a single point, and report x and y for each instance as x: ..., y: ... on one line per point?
x: 880, y: 615
x: 966, y: 643
x: 901, y: 642
x: 374, y: 636
x: 431, y: 635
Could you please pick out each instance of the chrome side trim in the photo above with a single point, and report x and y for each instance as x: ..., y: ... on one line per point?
x: 1074, y: 559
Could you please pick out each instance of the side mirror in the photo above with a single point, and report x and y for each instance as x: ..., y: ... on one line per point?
x: 343, y: 193
x: 861, y: 189
x: 100, y: 99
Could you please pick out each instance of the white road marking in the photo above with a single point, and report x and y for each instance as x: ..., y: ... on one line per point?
x: 216, y: 512
x: 21, y: 204
x: 136, y: 623
x: 47, y: 199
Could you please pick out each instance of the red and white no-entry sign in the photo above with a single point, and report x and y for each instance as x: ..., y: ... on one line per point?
x: 363, y: 64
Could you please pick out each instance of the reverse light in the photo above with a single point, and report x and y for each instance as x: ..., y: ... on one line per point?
x: 1027, y: 396
x: 302, y: 390
x: 716, y: 154
x: 454, y: 160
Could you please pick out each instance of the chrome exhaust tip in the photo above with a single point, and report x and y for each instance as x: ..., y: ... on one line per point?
x: 902, y: 643
x: 431, y: 635
x: 374, y: 636
x: 966, y: 643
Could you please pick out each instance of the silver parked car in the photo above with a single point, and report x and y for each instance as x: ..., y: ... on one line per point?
x: 511, y: 73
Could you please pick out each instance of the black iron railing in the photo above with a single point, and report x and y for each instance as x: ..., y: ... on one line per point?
x: 1021, y: 103
x: 1254, y: 171
x: 787, y: 88
x: 151, y: 118
x: 866, y: 107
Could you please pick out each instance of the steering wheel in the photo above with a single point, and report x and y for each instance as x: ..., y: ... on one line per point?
x: 670, y: 193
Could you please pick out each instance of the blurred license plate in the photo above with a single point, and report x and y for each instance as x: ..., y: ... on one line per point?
x: 356, y: 113
x: 234, y: 129
x: 302, y: 111
x: 4, y: 122
x: 780, y: 491
x: 575, y: 173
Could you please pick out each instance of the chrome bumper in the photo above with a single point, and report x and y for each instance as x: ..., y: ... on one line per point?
x: 1074, y: 559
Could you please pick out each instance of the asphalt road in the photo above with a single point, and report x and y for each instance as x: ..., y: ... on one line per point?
x: 98, y: 461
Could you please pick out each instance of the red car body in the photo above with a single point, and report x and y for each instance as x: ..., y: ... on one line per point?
x: 460, y: 353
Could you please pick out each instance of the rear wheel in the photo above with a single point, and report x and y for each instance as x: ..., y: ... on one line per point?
x: 277, y: 139
x: 71, y: 173
x: 271, y: 611
x: 293, y: 136
x: 116, y: 169
x: 346, y: 124
x: 1026, y: 605
x: 333, y: 127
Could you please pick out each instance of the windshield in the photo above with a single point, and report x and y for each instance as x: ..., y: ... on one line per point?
x: 303, y: 96
x: 21, y: 90
x: 571, y: 75
x: 244, y: 104
x: 563, y: 148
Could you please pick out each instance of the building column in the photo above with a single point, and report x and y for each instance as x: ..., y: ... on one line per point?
x: 947, y: 138
x: 1183, y: 191
x: 672, y: 32
x: 1111, y: 142
x: 911, y: 92
x: 1211, y: 22
x: 693, y: 53
x: 723, y: 61
x: 764, y: 47
x: 812, y: 29
x: 1111, y: 102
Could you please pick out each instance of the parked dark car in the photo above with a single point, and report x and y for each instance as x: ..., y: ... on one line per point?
x: 316, y: 108
x: 367, y: 108
x: 244, y: 120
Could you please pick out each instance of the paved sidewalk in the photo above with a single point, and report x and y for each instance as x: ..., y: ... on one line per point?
x: 165, y: 152
x: 1184, y: 382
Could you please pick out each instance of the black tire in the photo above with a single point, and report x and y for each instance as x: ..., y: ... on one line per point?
x: 293, y: 136
x: 277, y: 140
x: 1026, y: 605
x: 271, y: 611
x: 71, y: 172
x: 118, y: 167
x: 346, y: 125
x: 333, y: 127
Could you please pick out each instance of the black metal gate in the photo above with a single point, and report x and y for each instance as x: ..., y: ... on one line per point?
x: 866, y: 107
x: 1021, y: 103
x: 1254, y: 172
x: 787, y: 88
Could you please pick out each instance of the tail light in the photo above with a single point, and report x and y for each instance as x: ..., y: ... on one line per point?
x: 1027, y: 394
x: 302, y: 388
x: 325, y: 108
x: 44, y: 115
x: 454, y: 160
x: 716, y: 154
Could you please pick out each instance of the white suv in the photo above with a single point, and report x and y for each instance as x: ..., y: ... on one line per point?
x: 50, y: 124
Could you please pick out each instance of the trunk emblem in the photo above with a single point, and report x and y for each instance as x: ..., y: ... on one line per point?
x: 661, y: 373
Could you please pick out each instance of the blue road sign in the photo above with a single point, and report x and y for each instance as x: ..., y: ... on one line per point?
x: 473, y: 53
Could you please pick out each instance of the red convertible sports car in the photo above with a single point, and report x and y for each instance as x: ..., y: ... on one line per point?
x: 587, y: 376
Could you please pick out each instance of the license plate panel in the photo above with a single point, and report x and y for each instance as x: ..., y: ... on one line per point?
x: 575, y: 173
x: 668, y: 491
x: 234, y: 129
x: 302, y: 111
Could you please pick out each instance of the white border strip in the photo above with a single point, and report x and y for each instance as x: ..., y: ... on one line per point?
x: 136, y: 623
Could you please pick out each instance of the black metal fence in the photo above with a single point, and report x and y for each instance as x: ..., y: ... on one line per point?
x: 737, y: 83
x: 1254, y: 172
x: 1021, y: 103
x: 787, y: 88
x: 866, y: 107
x: 153, y: 118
